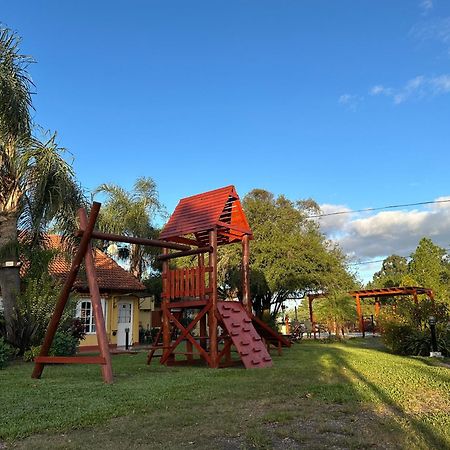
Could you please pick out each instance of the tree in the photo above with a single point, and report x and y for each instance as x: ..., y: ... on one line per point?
x: 37, y: 186
x: 336, y: 309
x: 132, y: 214
x: 429, y: 267
x: 393, y: 269
x: 289, y: 255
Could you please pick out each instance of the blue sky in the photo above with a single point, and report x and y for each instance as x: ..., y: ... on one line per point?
x: 347, y: 102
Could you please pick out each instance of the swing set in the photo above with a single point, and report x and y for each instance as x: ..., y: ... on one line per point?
x: 198, y: 226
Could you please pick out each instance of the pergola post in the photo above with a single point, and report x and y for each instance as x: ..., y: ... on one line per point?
x: 360, y: 316
x: 246, y: 296
x: 377, y: 307
x: 213, y: 306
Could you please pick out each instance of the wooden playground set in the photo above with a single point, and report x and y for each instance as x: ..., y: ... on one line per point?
x: 198, y: 226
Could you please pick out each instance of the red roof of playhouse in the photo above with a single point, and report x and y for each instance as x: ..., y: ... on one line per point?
x: 201, y: 213
x: 110, y: 276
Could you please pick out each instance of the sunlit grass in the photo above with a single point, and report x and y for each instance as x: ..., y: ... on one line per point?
x: 323, y: 389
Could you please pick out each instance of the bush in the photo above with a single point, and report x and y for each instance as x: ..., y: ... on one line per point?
x: 31, y: 353
x: 64, y: 344
x: 396, y: 336
x: 406, y: 330
x: 6, y: 353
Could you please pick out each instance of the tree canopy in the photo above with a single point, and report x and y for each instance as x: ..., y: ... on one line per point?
x: 428, y: 266
x: 132, y: 214
x: 289, y: 255
x: 37, y: 185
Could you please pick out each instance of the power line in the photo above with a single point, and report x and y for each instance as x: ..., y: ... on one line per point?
x: 382, y: 260
x: 366, y: 262
x: 337, y: 213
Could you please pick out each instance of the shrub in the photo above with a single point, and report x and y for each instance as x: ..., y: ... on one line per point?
x: 31, y: 353
x: 396, y: 336
x: 6, y: 353
x: 406, y: 330
x: 77, y: 329
x: 64, y: 344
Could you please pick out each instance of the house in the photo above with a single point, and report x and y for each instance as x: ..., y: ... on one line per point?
x: 121, y: 294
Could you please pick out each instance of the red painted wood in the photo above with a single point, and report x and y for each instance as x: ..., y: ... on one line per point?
x: 70, y: 360
x: 68, y: 284
x: 202, y: 212
x: 247, y: 341
x: 100, y: 328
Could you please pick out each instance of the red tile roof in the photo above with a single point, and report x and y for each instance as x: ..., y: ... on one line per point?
x: 110, y: 276
x: 202, y: 212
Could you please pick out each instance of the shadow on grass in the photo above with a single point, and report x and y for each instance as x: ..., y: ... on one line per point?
x: 310, y: 398
x: 425, y: 431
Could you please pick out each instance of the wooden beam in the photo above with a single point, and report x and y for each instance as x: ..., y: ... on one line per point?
x: 195, y: 251
x: 166, y: 292
x: 70, y: 360
x: 134, y: 240
x: 233, y: 227
x: 100, y: 328
x: 360, y: 316
x: 213, y: 351
x: 246, y: 295
x: 184, y: 240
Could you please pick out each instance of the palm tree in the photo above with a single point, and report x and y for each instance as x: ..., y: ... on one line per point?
x: 131, y: 214
x: 37, y: 186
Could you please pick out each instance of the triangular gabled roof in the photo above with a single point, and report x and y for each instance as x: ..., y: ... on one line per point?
x: 198, y: 214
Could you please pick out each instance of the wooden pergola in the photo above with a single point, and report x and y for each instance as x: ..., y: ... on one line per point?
x: 378, y: 295
x: 383, y: 293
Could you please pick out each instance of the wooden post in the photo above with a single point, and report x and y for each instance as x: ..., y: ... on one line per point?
x: 213, y: 351
x: 377, y: 307
x: 360, y: 316
x: 246, y: 295
x: 100, y: 328
x: 68, y: 284
x: 416, y: 301
x: 203, y: 328
x: 311, y: 315
x: 165, y: 304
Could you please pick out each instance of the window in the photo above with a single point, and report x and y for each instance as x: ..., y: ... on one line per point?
x: 85, y: 313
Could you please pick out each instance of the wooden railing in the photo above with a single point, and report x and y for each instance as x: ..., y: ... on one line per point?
x: 187, y: 282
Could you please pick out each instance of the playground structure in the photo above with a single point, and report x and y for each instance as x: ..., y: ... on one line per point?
x: 208, y: 221
x: 378, y: 295
x: 198, y: 226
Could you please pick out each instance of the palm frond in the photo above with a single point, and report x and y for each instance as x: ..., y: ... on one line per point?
x: 15, y: 88
x: 51, y: 194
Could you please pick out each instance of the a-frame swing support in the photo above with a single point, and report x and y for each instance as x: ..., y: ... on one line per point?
x: 84, y: 251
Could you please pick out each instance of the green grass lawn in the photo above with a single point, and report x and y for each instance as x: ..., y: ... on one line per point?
x: 317, y: 395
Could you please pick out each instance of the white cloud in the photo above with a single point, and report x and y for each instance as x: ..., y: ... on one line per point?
x: 380, y: 90
x: 350, y: 101
x: 416, y: 88
x: 426, y: 5
x: 370, y: 236
x: 437, y: 30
